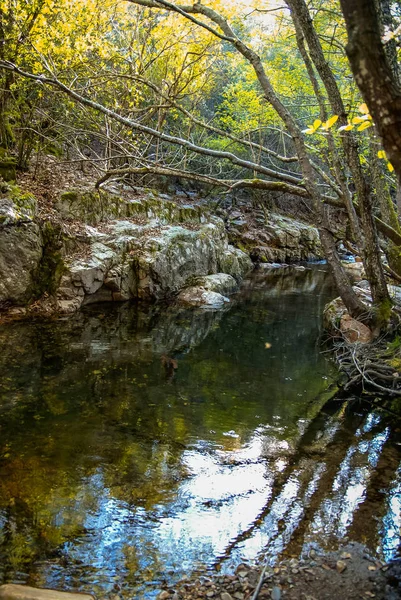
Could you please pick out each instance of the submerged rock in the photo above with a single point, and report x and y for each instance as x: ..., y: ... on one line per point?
x: 13, y: 591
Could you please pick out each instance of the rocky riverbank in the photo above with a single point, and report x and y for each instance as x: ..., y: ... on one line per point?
x: 84, y: 245
x: 349, y: 573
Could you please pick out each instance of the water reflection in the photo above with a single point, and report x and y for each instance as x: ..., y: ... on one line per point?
x: 137, y: 444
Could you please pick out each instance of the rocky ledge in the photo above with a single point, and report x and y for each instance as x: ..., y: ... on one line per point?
x: 152, y: 250
x: 118, y: 244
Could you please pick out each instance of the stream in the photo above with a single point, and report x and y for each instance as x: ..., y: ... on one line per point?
x: 141, y: 444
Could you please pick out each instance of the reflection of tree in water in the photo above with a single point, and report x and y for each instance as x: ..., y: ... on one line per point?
x: 94, y: 436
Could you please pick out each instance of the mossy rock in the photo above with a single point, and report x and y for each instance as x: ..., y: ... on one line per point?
x: 8, y: 169
x: 91, y: 206
x: 51, y: 267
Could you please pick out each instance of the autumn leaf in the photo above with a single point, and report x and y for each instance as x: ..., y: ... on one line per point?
x: 357, y: 120
x: 381, y: 154
x: 363, y: 108
x: 330, y: 122
x: 312, y: 128
x: 364, y: 126
x: 346, y: 127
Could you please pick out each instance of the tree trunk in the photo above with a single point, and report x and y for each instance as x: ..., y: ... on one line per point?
x: 373, y: 74
x: 370, y: 244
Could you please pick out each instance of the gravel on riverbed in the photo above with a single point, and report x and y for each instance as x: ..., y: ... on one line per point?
x: 347, y: 574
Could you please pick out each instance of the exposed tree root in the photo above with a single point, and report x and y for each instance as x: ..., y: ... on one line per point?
x: 374, y: 369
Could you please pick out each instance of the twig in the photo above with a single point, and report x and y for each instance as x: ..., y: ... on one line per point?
x: 260, y: 582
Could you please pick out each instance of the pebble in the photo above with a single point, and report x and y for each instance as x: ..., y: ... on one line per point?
x: 276, y: 593
x: 226, y: 596
x: 340, y: 566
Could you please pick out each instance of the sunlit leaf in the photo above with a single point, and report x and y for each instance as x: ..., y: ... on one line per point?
x: 316, y: 124
x: 267, y: 345
x: 365, y: 125
x: 363, y: 108
x: 357, y: 120
x: 390, y: 167
x: 330, y: 122
x: 346, y: 127
x: 381, y: 154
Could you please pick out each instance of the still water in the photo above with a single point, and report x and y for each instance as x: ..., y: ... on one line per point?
x: 138, y: 445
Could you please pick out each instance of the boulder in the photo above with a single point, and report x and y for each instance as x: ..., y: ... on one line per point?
x: 8, y: 167
x: 12, y: 591
x: 20, y: 255
x: 355, y: 331
x: 275, y: 238
x: 222, y: 283
x: 150, y: 262
x: 198, y: 296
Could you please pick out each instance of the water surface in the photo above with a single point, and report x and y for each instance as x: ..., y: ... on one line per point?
x: 139, y: 444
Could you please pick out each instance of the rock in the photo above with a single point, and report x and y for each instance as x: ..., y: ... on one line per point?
x: 194, y: 296
x: 341, y: 566
x: 355, y: 270
x: 93, y: 206
x: 8, y: 169
x: 164, y: 595
x: 221, y: 283
x: 226, y: 596
x: 355, y: 331
x: 278, y: 239
x: 276, y: 593
x: 149, y: 260
x: 20, y: 255
x: 22, y: 592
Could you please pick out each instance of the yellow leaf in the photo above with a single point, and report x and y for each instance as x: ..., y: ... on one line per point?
x: 267, y: 345
x: 357, y: 120
x: 330, y: 122
x: 364, y: 125
x: 309, y: 131
x: 316, y: 124
x: 390, y: 167
x: 346, y: 127
x: 364, y: 109
x: 382, y: 154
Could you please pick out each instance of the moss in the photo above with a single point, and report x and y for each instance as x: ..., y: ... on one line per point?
x: 8, y: 169
x: 394, y: 258
x: 383, y: 312
x: 70, y: 196
x: 242, y: 247
x: 395, y: 363
x: 24, y: 202
x: 51, y: 267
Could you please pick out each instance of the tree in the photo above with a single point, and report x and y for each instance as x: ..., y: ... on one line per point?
x: 378, y: 81
x: 152, y: 102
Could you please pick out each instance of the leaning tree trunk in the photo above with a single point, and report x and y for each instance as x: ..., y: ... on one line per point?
x: 371, y: 249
